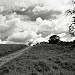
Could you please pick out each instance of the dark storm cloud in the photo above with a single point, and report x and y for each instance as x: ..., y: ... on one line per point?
x: 42, y: 14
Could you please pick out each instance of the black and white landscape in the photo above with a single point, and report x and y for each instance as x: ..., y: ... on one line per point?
x: 37, y: 37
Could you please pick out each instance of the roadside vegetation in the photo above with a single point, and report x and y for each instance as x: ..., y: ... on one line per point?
x: 43, y: 59
x: 10, y: 48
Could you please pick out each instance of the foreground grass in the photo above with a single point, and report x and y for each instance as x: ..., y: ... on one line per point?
x: 44, y: 59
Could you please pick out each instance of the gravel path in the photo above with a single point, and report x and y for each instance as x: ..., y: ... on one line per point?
x: 9, y: 57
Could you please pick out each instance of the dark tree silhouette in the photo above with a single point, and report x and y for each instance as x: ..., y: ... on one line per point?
x: 72, y: 27
x: 54, y: 39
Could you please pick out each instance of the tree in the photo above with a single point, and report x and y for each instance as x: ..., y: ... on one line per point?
x: 72, y: 27
x: 54, y: 39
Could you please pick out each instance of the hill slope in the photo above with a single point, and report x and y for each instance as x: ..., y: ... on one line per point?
x: 6, y: 49
x: 44, y: 59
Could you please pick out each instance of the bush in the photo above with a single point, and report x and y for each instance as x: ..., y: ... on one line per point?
x: 54, y: 39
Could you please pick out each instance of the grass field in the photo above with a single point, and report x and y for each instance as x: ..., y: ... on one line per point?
x: 10, y: 48
x: 44, y: 59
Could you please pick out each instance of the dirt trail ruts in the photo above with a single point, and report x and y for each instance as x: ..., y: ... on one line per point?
x: 9, y: 57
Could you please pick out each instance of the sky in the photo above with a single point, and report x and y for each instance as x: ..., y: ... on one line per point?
x: 32, y: 21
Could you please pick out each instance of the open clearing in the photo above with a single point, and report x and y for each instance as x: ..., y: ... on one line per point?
x: 44, y: 59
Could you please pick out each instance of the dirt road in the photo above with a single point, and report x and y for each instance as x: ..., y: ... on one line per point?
x: 9, y: 57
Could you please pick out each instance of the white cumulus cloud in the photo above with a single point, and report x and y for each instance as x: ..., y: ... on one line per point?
x: 36, y: 17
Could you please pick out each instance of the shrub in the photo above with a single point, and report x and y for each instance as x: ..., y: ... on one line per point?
x: 54, y: 39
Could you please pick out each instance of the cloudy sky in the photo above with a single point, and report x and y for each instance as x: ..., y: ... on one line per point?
x: 23, y: 21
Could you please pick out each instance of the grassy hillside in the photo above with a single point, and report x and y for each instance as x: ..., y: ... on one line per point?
x: 43, y: 59
x: 10, y: 48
